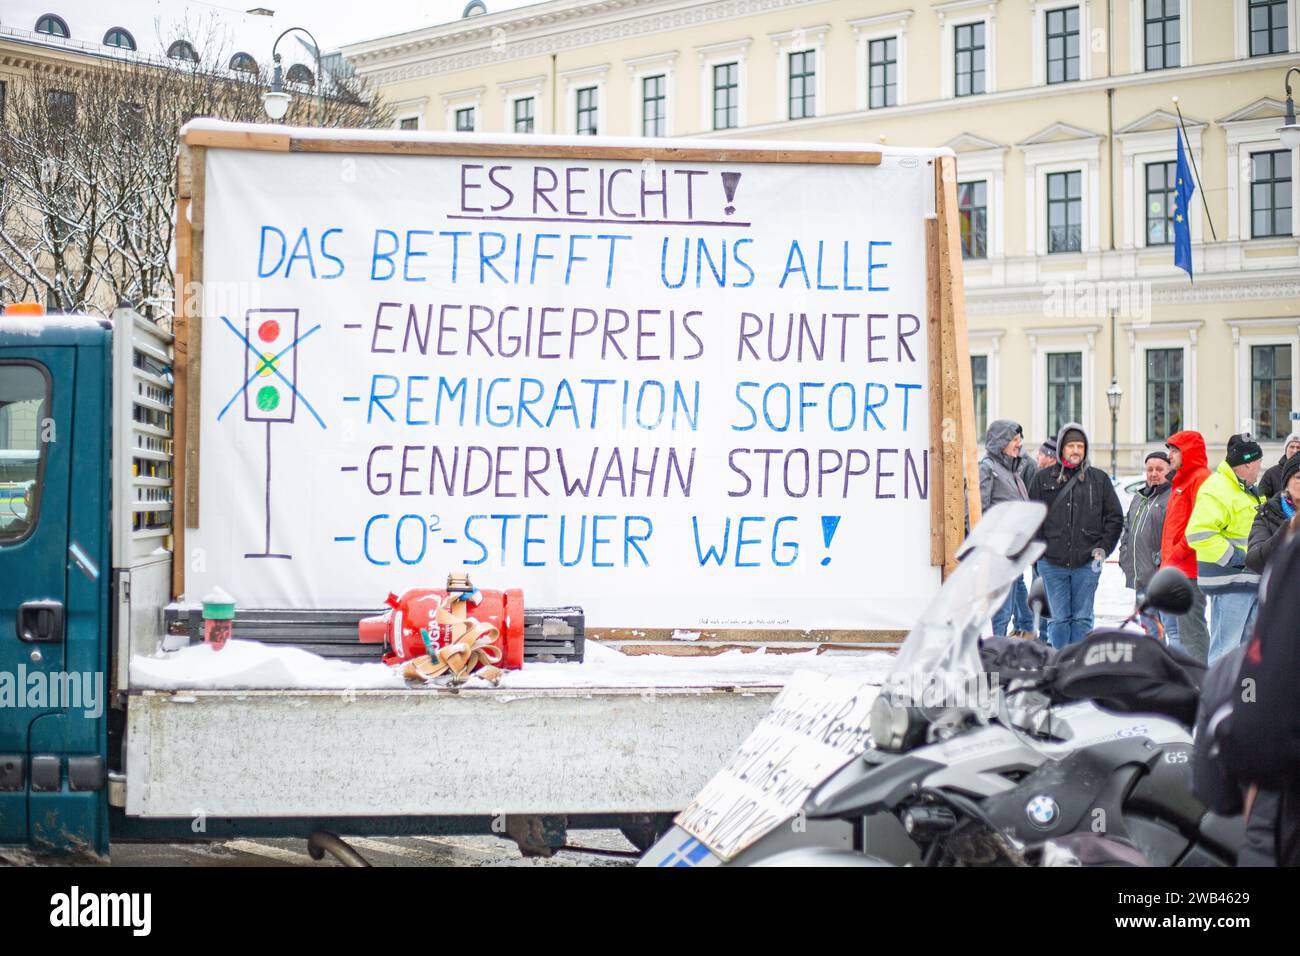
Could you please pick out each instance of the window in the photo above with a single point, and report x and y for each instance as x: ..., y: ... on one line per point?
x: 53, y: 26
x: 726, y: 95
x: 979, y: 376
x: 1064, y: 389
x: 1164, y: 393
x: 410, y: 122
x: 524, y: 114
x: 1161, y: 184
x: 244, y: 63
x: 183, y: 50
x: 1270, y: 391
x: 968, y: 65
x: 61, y: 105
x: 1065, y: 211
x: 298, y: 73
x: 1063, y: 45
x: 882, y: 72
x: 1162, y: 34
x: 465, y: 119
x: 587, y: 111
x: 972, y: 208
x: 119, y: 38
x: 24, y: 406
x: 1270, y: 193
x: 1267, y: 22
x: 803, y: 84
x: 3, y: 91
x: 653, y: 116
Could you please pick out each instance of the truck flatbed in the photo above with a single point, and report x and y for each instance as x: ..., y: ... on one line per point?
x: 613, y: 735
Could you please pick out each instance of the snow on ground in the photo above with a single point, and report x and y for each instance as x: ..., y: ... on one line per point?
x: 1114, y: 601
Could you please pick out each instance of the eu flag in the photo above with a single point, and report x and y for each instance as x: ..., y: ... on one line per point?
x: 1182, y: 206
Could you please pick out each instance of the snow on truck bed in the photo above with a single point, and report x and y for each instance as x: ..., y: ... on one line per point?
x: 248, y: 665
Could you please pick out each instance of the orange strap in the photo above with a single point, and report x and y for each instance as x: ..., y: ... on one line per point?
x: 473, y: 645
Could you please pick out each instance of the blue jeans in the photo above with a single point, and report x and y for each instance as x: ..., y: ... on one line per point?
x: 1148, y: 622
x: 1170, y: 623
x: 1070, y: 592
x: 1232, y: 618
x: 1016, y: 607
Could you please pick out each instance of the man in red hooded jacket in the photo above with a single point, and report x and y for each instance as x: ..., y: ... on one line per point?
x: 1191, y: 467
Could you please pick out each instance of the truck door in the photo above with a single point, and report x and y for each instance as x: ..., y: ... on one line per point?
x: 36, y: 425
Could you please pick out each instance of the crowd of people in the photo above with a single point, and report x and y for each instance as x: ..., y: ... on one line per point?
x: 1220, y: 528
x: 1230, y: 532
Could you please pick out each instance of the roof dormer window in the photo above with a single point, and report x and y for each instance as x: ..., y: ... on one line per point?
x: 53, y: 26
x: 119, y: 38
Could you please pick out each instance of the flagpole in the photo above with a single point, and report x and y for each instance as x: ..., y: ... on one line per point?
x: 1195, y: 172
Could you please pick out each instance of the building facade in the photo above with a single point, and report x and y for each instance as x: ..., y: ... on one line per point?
x: 168, y: 32
x: 1063, y: 115
x: 91, y: 68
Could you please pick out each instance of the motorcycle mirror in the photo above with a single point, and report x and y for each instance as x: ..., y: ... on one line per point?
x: 1038, y: 599
x: 1168, y: 591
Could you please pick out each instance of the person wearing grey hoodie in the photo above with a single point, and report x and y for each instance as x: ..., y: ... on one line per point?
x: 1005, y: 473
x: 1139, y: 547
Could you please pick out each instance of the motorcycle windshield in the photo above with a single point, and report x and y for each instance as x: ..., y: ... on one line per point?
x: 939, y: 662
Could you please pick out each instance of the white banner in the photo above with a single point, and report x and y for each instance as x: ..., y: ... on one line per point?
x: 677, y: 394
x: 816, y: 725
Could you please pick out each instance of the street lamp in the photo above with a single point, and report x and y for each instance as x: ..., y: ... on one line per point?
x: 1113, y: 396
x: 1289, y: 132
x: 275, y: 100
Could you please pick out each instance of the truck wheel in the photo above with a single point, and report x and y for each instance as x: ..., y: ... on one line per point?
x: 644, y: 830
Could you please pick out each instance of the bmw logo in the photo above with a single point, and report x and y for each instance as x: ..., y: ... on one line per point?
x: 1042, y: 811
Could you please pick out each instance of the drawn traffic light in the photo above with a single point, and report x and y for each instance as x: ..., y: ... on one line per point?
x: 272, y: 365
x: 270, y: 390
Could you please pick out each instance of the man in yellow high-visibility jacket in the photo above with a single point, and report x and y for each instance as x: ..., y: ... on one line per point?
x: 1217, y: 531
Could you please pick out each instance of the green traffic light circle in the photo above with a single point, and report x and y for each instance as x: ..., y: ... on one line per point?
x: 268, y: 398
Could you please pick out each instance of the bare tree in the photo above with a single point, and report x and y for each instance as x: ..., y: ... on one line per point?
x: 88, y: 170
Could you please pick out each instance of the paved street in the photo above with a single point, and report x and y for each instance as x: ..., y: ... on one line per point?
x: 379, y: 851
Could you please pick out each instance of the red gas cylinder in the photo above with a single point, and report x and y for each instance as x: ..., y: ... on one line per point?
x: 411, y: 619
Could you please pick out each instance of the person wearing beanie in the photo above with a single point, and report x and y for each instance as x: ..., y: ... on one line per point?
x: 1047, y: 453
x: 1276, y: 519
x: 1004, y: 472
x: 1219, y: 532
x: 1139, y: 548
x: 1272, y: 483
x: 1190, y: 468
x: 1083, y: 525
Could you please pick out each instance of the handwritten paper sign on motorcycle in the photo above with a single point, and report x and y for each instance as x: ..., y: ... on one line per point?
x: 681, y: 394
x: 816, y: 725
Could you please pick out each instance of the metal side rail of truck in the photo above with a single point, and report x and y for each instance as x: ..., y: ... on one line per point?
x: 86, y: 583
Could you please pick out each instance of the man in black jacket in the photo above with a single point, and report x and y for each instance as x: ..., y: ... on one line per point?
x: 1083, y: 524
x: 1262, y: 743
x: 1277, y: 518
x: 1139, y: 548
x: 1272, y: 481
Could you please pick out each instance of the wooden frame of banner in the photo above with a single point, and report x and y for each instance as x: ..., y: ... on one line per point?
x: 952, y: 417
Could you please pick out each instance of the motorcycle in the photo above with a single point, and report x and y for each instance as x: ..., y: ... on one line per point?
x: 1004, y: 753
